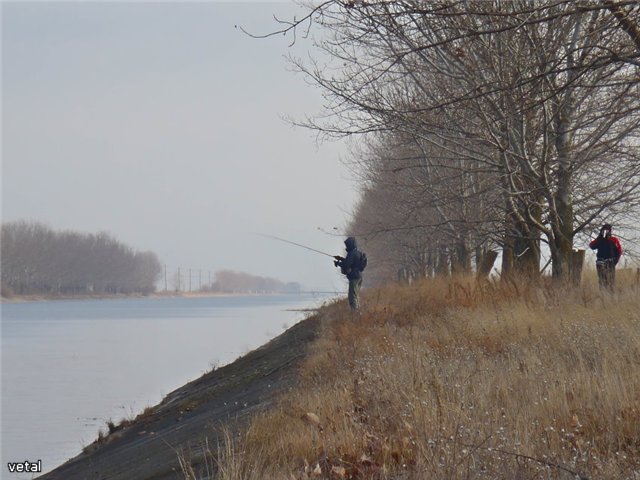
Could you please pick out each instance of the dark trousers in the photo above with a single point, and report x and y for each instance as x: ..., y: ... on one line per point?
x: 354, y: 293
x: 606, y: 273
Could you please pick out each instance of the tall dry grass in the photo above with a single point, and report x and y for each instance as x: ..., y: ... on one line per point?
x: 453, y: 379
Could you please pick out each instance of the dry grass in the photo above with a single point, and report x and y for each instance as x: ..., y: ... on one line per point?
x: 451, y: 379
x: 114, y: 430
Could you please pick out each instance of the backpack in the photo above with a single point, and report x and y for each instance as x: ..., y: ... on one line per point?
x: 363, y: 261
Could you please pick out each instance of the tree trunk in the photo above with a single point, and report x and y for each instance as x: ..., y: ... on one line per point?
x: 527, y: 254
x: 442, y: 268
x: 562, y: 244
x: 521, y: 250
x: 484, y: 262
x: 460, y: 258
x: 577, y: 262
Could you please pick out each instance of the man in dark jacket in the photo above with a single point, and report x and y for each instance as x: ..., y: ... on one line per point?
x: 352, y: 266
x: 607, y: 257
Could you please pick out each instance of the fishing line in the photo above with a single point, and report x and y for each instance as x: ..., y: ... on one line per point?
x: 294, y: 243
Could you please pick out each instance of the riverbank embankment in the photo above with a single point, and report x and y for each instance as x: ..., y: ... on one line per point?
x: 461, y: 379
x: 192, y: 419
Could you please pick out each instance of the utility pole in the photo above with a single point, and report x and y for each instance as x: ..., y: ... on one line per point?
x: 189, y: 279
x: 179, y: 279
x: 200, y: 280
x: 165, y: 277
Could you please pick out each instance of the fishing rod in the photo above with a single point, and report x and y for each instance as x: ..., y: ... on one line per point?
x: 297, y: 245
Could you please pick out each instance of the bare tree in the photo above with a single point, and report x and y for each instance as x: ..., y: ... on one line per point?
x: 541, y: 96
x: 39, y: 260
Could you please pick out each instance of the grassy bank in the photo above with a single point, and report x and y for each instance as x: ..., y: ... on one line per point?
x: 459, y: 380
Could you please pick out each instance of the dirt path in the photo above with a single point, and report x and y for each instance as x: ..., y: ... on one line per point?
x: 193, y: 414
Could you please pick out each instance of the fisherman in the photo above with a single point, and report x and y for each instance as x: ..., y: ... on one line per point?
x: 607, y: 257
x: 352, y: 266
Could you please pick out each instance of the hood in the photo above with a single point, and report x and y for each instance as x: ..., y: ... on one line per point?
x: 350, y: 243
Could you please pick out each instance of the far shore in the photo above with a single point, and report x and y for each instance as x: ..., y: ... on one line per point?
x: 168, y: 294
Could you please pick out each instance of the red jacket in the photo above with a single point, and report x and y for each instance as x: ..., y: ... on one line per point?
x: 608, y: 247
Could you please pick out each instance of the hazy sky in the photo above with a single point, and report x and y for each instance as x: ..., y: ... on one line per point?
x: 161, y: 123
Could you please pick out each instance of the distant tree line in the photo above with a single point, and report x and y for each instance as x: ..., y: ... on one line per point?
x: 228, y: 281
x: 39, y: 260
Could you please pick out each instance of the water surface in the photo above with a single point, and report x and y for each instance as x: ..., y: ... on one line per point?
x: 69, y: 366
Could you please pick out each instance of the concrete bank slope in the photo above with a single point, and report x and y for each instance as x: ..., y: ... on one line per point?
x: 148, y: 447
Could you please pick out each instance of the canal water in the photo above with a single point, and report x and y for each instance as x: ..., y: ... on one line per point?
x: 68, y: 367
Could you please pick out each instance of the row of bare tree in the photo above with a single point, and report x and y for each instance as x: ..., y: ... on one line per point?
x: 486, y: 125
x: 39, y: 260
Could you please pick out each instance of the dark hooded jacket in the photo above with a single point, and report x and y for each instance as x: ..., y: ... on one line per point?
x: 351, y: 265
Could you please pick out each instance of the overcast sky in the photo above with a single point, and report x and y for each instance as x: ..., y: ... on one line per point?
x: 161, y: 123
